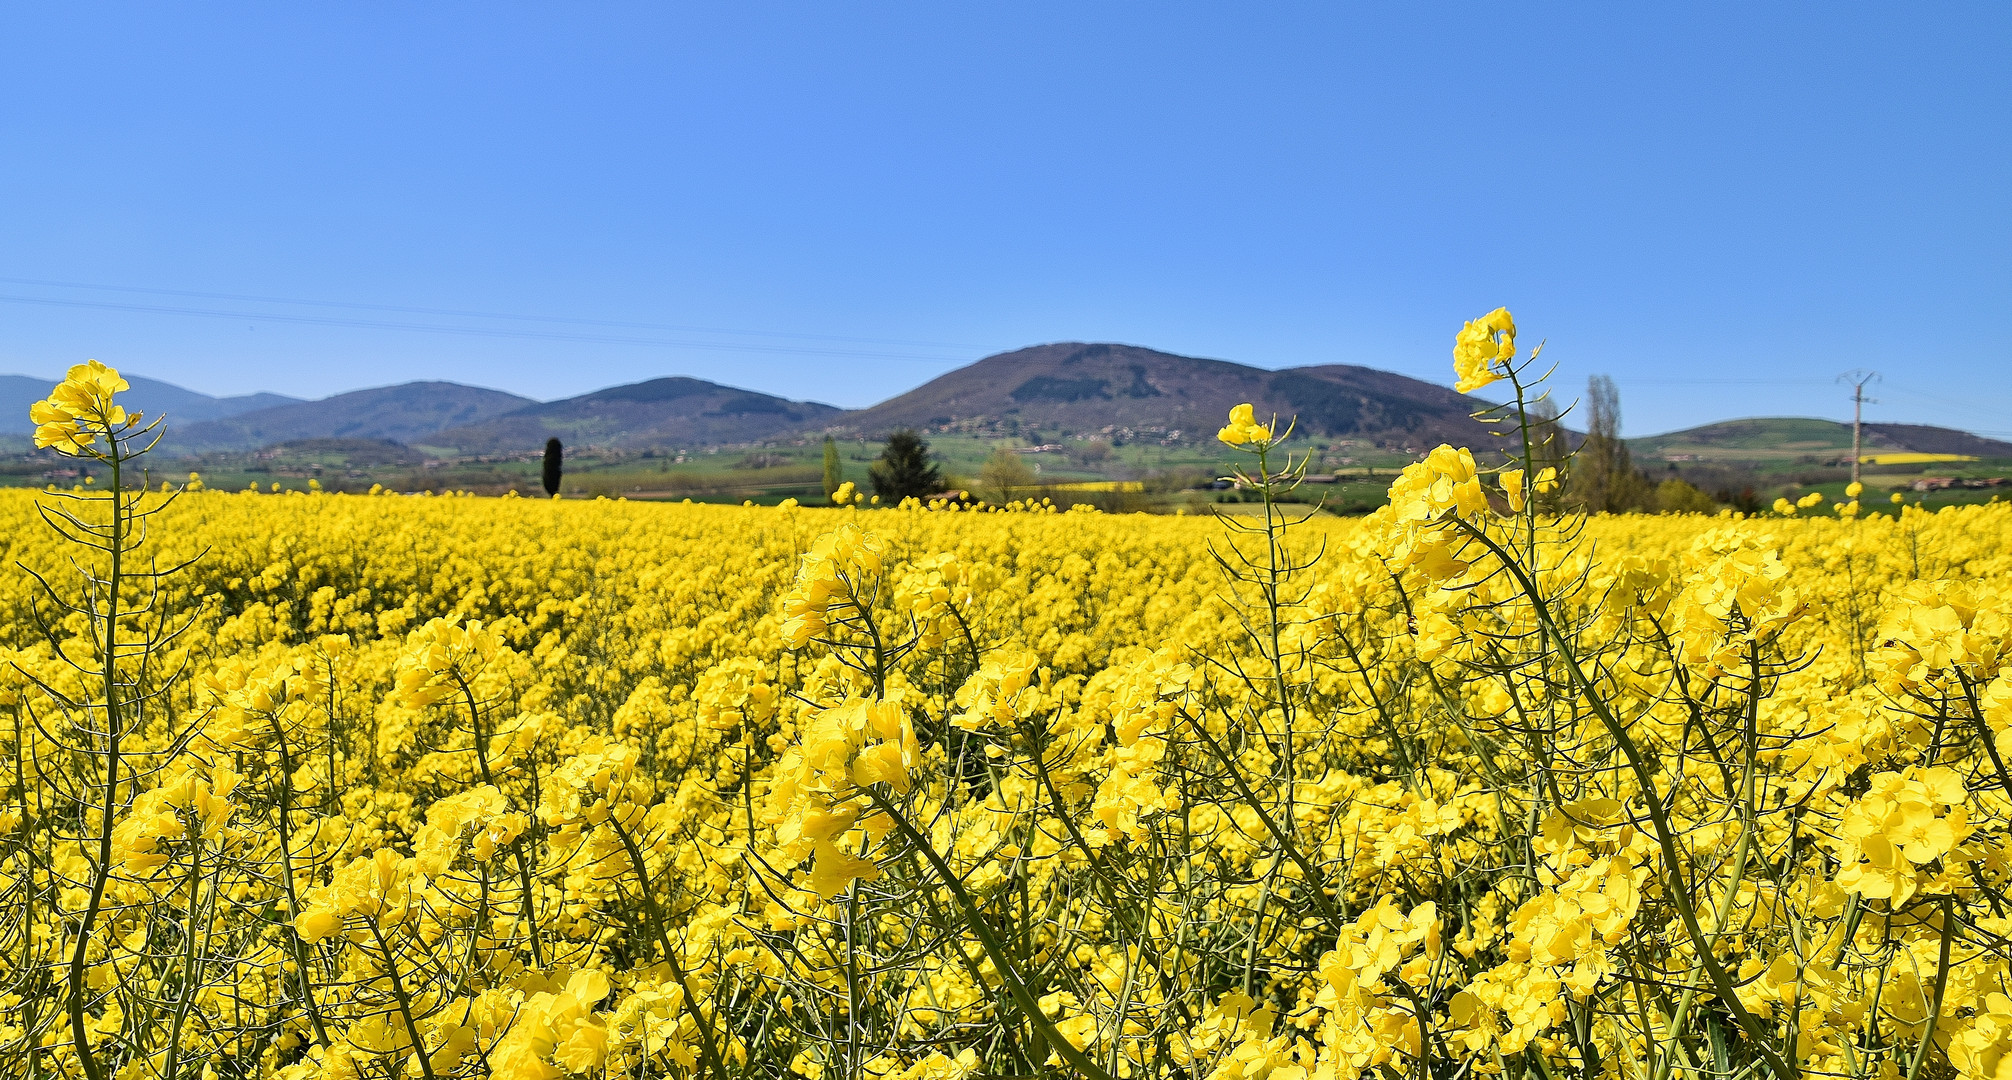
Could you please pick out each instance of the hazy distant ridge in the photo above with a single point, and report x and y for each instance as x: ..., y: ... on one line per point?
x: 407, y: 413
x: 676, y: 411
x: 182, y: 407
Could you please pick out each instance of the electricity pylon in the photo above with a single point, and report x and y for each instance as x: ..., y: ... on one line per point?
x: 1858, y: 379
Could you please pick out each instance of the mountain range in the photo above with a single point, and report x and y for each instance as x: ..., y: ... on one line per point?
x: 409, y: 413
x: 676, y: 411
x: 155, y: 398
x: 1043, y: 392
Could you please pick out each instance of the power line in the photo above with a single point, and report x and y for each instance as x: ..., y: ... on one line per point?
x: 531, y: 334
x: 1663, y: 381
x: 479, y: 331
x: 461, y: 313
x: 475, y: 331
x: 1965, y: 406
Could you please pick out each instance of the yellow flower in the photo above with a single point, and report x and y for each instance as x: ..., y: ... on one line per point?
x: 883, y: 763
x: 830, y: 578
x: 818, y: 795
x: 1979, y: 1048
x: 1512, y: 488
x: 441, y: 656
x: 832, y: 870
x: 1482, y: 345
x: 1243, y: 428
x: 1905, y: 820
x: 1445, y: 480
x: 1853, y: 490
x: 316, y: 923
x: 80, y: 409
x: 992, y: 696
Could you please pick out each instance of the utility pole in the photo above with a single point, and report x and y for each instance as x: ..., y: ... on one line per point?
x: 1858, y: 378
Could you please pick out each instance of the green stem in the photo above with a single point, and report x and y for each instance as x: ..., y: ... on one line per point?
x: 987, y: 940
x: 101, y: 872
x: 1677, y: 885
x: 1941, y: 984
x: 403, y: 999
x: 710, y: 1053
x: 188, y: 987
x: 529, y: 902
x: 300, y: 959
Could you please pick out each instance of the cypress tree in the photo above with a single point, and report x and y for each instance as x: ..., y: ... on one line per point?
x: 833, y: 474
x: 904, y: 468
x: 554, y: 465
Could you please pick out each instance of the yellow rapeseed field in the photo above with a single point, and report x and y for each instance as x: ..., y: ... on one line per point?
x: 1913, y: 458
x: 324, y: 786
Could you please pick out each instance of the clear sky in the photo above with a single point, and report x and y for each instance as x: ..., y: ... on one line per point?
x: 1723, y: 206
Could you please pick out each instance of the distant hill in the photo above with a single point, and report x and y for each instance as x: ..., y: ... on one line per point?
x: 1779, y: 437
x: 407, y: 413
x: 1925, y: 439
x: 182, y: 407
x: 1078, y: 388
x: 661, y: 412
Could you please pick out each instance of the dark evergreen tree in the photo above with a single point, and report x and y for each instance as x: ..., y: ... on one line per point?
x: 834, y: 475
x: 904, y: 469
x: 554, y: 465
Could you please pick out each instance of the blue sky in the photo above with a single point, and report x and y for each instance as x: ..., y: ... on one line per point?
x: 1722, y: 206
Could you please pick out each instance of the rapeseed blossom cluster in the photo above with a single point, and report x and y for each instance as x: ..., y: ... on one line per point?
x: 1243, y: 428
x: 80, y: 410
x: 830, y: 584
x: 1483, y: 350
x: 435, y: 788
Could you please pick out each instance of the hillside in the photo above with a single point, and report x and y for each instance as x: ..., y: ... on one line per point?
x: 1076, y: 388
x: 182, y: 407
x: 1925, y: 439
x: 1774, y: 438
x: 407, y: 413
x: 661, y: 412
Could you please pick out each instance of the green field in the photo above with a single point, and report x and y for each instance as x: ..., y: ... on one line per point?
x: 1773, y: 458
x: 1171, y: 477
